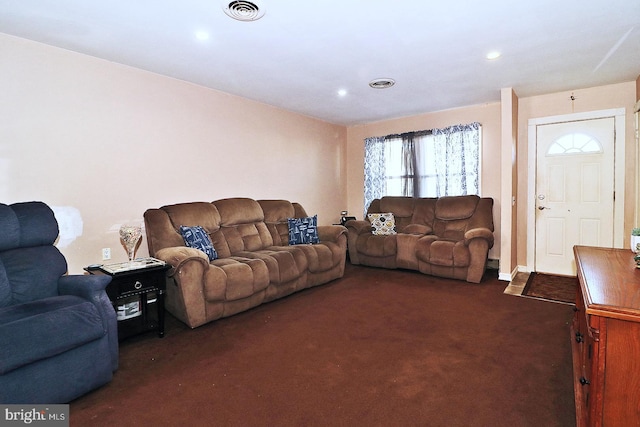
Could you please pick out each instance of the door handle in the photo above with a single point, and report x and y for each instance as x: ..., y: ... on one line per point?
x: 541, y: 208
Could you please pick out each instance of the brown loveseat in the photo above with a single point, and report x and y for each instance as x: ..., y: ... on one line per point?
x: 255, y: 262
x: 447, y: 236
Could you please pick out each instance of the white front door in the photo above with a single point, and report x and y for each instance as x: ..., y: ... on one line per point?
x: 574, y: 191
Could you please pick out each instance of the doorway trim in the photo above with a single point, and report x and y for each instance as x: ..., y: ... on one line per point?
x: 619, y: 173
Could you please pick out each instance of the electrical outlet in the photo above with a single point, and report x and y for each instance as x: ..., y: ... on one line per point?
x: 106, y: 254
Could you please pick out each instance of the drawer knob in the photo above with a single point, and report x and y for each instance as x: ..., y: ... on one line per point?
x: 584, y: 381
x: 137, y: 285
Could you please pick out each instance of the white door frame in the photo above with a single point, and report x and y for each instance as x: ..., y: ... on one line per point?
x: 619, y: 173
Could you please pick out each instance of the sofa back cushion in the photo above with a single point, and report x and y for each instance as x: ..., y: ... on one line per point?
x: 163, y: 225
x: 242, y: 227
x: 424, y: 211
x: 452, y: 216
x: 30, y: 265
x: 401, y: 207
x: 194, y: 214
x: 300, y: 212
x: 276, y: 214
x: 483, y: 215
x: 447, y: 217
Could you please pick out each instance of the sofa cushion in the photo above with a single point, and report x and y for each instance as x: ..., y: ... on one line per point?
x: 402, y: 208
x: 424, y: 211
x: 383, y: 223
x: 196, y: 237
x: 277, y: 210
x: 319, y: 257
x: 196, y: 213
x: 303, y: 230
x: 242, y: 227
x: 239, y: 210
x: 21, y: 277
x: 456, y: 207
x: 285, y: 263
x: 44, y: 328
x: 276, y: 213
x: 377, y: 246
x: 417, y: 229
x: 399, y: 205
x: 442, y: 252
x: 231, y: 279
x: 27, y: 224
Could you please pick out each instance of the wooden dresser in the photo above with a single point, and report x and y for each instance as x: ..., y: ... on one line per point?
x: 605, y: 336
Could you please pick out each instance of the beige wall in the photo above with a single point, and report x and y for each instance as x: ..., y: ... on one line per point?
x: 488, y: 115
x: 106, y: 142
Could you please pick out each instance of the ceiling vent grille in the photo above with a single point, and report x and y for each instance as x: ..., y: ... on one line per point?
x: 381, y: 83
x: 243, y: 10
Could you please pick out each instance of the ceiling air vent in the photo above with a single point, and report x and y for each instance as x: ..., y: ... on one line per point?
x: 243, y: 10
x: 381, y: 83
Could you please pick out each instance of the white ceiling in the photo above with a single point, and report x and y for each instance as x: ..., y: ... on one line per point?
x: 301, y: 53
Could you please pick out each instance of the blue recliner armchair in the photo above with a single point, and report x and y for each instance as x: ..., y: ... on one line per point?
x: 58, y: 332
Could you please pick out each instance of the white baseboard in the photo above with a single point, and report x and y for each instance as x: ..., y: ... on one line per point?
x: 523, y: 269
x: 508, y: 277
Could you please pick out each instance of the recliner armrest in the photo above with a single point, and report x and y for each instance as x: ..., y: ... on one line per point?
x: 330, y: 233
x: 359, y: 226
x: 84, y: 286
x: 479, y: 233
x: 179, y: 255
x: 93, y: 288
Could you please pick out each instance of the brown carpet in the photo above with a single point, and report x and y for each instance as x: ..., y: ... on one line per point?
x: 551, y: 287
x: 376, y: 348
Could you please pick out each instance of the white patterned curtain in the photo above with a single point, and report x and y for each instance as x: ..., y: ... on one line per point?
x: 374, y: 170
x: 431, y: 163
x: 457, y: 154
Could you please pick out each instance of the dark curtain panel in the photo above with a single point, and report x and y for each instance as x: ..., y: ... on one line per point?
x: 410, y: 178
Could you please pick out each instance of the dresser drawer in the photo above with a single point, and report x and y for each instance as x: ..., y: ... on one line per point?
x: 133, y: 284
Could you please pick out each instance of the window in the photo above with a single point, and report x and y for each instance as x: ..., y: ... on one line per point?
x: 574, y: 143
x: 433, y: 163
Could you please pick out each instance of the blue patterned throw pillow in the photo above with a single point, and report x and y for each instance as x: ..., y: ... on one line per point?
x: 197, y: 238
x: 303, y: 230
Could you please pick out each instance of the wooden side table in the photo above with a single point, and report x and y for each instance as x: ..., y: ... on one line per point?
x: 137, y: 296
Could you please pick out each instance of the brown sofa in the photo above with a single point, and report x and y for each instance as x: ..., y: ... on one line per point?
x: 255, y: 262
x: 447, y: 236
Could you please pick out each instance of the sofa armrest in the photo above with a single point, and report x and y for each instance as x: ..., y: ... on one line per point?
x: 479, y: 233
x: 419, y: 229
x: 93, y: 288
x: 359, y: 226
x: 84, y: 286
x: 330, y: 233
x: 179, y: 255
x: 186, y: 286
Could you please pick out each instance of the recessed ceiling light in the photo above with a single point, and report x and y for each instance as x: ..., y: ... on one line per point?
x: 243, y: 10
x: 342, y: 92
x: 382, y: 83
x: 493, y: 55
x: 202, y: 35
